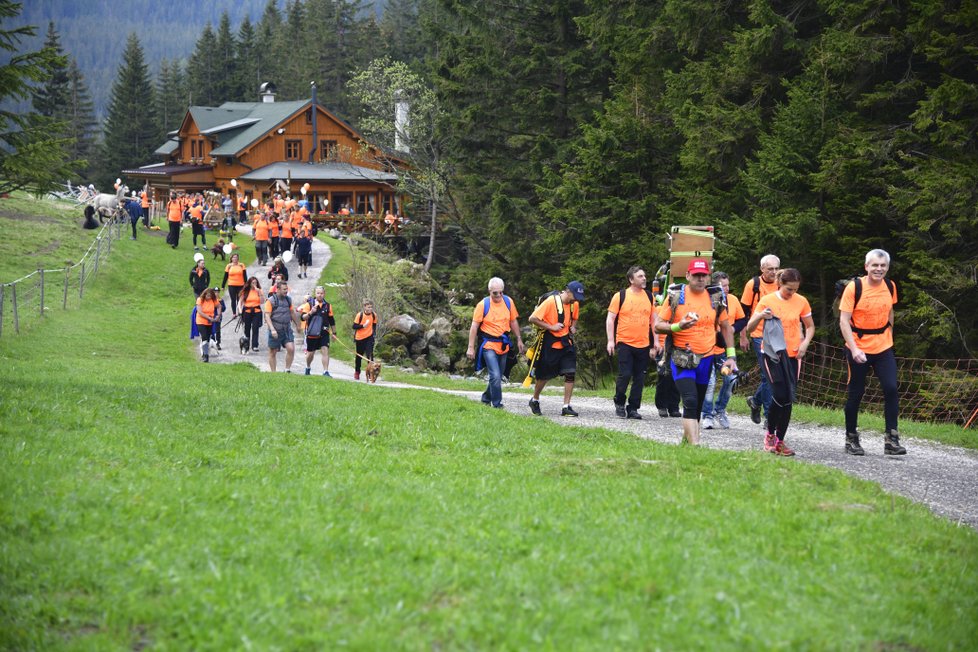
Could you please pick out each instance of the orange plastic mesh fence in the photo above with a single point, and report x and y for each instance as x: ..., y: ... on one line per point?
x: 941, y: 391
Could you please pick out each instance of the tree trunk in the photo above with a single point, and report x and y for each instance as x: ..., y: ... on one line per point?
x: 431, y: 240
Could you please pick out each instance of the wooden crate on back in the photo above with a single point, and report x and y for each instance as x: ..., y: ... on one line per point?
x: 685, y: 244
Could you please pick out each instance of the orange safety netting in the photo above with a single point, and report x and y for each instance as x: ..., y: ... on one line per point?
x: 941, y: 391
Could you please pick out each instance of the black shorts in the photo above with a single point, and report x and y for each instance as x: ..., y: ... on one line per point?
x: 316, y: 343
x: 305, y: 259
x: 556, y: 362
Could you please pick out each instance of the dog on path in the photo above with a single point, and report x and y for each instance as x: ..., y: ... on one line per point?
x: 372, y: 371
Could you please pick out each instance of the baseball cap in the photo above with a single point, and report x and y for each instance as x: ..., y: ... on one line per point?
x: 577, y: 289
x: 698, y: 266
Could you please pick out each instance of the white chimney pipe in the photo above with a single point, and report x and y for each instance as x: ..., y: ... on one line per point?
x: 401, y: 122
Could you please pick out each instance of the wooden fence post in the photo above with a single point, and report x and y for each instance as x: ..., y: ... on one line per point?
x: 41, y: 273
x: 64, y: 299
x: 13, y: 289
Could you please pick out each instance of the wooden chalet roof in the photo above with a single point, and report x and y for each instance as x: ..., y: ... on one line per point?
x: 299, y: 171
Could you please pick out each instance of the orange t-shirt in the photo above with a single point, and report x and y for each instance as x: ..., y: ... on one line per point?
x: 253, y: 300
x: 287, y: 229
x: 273, y: 228
x: 235, y: 272
x: 747, y: 299
x: 173, y: 211
x: 196, y: 213
x: 145, y: 197
x: 735, y: 311
x: 208, y: 307
x: 495, y: 322
x: 873, y: 311
x: 368, y: 322
x: 634, y: 318
x: 279, y: 204
x: 790, y: 313
x: 547, y: 313
x: 261, y: 230
x: 702, y: 336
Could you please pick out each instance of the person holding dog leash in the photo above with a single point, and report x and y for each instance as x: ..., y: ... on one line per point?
x: 363, y: 335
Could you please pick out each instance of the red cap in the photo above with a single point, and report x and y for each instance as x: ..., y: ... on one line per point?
x: 698, y: 266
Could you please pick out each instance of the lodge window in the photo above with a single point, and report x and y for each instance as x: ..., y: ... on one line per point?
x: 293, y: 150
x: 327, y: 150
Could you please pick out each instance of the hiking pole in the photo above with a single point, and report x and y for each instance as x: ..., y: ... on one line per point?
x: 537, y: 345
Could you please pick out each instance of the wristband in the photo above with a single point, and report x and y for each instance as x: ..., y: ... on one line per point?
x: 675, y: 328
x: 731, y: 352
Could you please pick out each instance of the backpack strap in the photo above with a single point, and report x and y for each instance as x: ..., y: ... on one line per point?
x: 858, y: 282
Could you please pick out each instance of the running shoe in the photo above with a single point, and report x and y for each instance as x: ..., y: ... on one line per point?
x: 620, y: 411
x: 770, y: 442
x: 722, y: 421
x: 633, y: 414
x: 535, y: 407
x: 707, y: 423
x: 568, y: 411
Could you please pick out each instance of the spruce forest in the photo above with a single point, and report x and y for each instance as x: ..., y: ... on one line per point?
x: 575, y: 133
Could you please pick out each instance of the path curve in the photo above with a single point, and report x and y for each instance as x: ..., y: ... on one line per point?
x: 944, y: 478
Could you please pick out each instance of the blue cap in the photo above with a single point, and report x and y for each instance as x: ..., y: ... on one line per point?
x: 576, y: 289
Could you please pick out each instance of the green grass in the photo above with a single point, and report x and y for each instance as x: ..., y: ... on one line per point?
x: 150, y: 501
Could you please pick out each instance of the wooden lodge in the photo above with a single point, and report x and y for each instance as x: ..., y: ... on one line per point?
x: 271, y: 147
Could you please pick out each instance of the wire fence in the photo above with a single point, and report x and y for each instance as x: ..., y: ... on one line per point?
x: 938, y: 391
x: 23, y: 302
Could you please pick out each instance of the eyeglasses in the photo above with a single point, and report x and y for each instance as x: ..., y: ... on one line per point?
x: 497, y: 294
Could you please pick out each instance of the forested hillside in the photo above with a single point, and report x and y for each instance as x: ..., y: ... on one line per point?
x: 94, y: 31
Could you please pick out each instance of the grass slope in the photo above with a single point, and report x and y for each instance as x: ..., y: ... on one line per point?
x: 150, y: 501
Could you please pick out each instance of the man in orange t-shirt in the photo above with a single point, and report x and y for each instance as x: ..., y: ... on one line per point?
x: 174, y: 217
x: 628, y: 324
x: 692, y: 316
x: 144, y: 205
x: 867, y: 328
x: 493, y: 319
x: 755, y: 289
x: 260, y: 235
x: 557, y: 315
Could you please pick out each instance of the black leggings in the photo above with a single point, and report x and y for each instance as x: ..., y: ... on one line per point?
x: 365, y: 347
x: 885, y: 368
x: 780, y: 414
x: 234, y: 291
x: 252, y: 323
x: 692, y: 395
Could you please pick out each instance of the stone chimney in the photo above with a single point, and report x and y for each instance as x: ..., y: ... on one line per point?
x: 267, y: 91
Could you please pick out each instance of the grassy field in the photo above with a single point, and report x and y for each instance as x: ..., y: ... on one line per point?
x: 148, y: 501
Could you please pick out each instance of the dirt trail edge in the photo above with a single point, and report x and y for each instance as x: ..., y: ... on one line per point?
x: 944, y: 478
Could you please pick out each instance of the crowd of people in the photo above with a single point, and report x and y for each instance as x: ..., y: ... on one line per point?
x: 689, y: 333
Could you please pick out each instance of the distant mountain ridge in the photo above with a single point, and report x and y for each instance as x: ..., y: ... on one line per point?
x: 94, y: 32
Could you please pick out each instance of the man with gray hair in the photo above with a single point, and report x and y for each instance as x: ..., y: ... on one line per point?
x: 763, y: 284
x: 866, y: 321
x: 493, y: 319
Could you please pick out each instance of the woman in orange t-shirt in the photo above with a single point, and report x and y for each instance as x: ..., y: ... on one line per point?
x: 235, y: 277
x: 784, y: 345
x: 252, y: 299
x: 208, y: 312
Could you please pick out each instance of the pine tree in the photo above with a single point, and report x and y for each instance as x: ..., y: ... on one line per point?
x: 247, y: 76
x: 32, y: 148
x: 172, y: 97
x: 203, y: 70
x: 271, y: 47
x: 50, y: 99
x: 82, y: 126
x: 400, y: 31
x: 131, y: 133
x: 226, y: 50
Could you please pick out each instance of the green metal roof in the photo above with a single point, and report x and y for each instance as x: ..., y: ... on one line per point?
x: 268, y: 115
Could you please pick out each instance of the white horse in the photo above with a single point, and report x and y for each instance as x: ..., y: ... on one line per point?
x: 107, y: 205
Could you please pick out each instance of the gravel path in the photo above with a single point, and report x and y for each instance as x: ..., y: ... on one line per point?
x: 944, y: 478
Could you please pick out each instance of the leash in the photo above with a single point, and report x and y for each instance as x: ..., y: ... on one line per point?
x: 358, y: 355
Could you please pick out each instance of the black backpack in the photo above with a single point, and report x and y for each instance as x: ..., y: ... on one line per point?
x: 840, y: 288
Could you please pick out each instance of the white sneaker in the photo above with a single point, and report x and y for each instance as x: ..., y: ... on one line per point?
x: 707, y: 423
x: 722, y: 421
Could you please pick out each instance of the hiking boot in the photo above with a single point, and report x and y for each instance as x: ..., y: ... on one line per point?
x: 356, y: 375
x: 675, y: 413
x: 568, y: 411
x: 663, y: 413
x: 782, y: 449
x: 207, y: 358
x: 535, y: 407
x: 721, y: 420
x: 707, y: 423
x: 218, y: 346
x: 633, y: 414
x: 891, y: 444
x: 755, y: 409
x: 308, y: 371
x: 770, y: 442
x: 620, y: 411
x: 852, y: 444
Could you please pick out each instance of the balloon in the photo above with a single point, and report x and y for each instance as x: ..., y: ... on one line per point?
x: 304, y: 191
x: 228, y: 249
x: 325, y: 202
x: 118, y: 182
x: 306, y: 185
x: 116, y: 186
x: 234, y: 183
x: 254, y: 203
x: 286, y: 256
x: 198, y: 257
